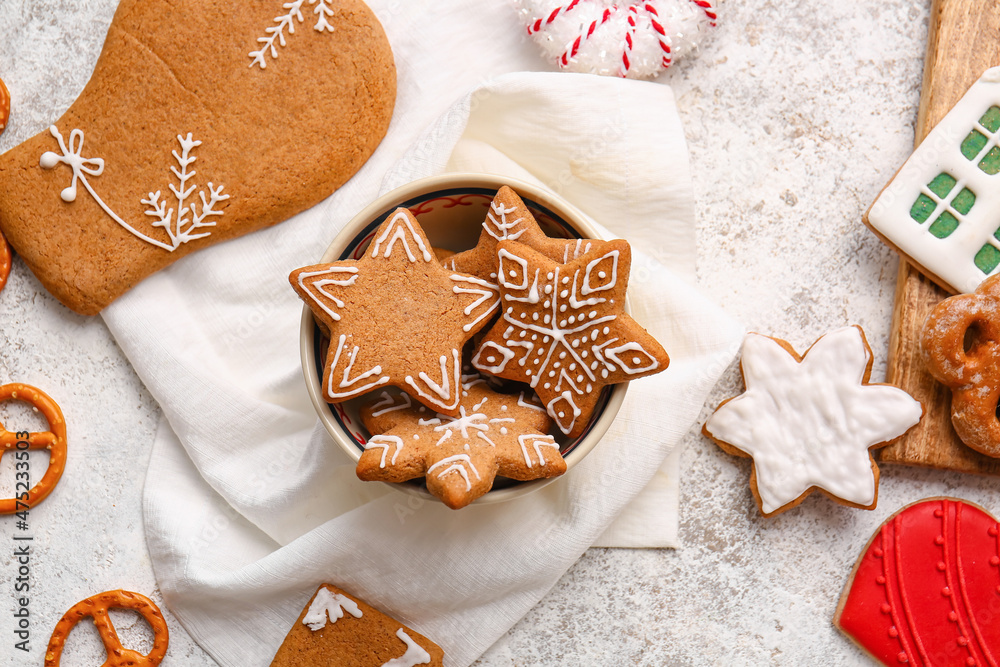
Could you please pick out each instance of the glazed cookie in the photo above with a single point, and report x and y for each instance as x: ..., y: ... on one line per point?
x: 199, y: 124
x: 961, y: 346
x: 494, y: 434
x: 924, y: 591
x: 395, y: 317
x: 338, y: 630
x: 942, y: 208
x: 809, y: 422
x: 510, y: 220
x: 564, y: 329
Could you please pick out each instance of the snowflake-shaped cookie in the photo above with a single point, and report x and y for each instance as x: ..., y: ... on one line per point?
x: 809, y: 422
x: 510, y: 220
x: 564, y: 330
x: 493, y: 434
x: 395, y: 317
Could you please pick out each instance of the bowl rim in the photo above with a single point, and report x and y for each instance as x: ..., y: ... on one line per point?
x: 391, y: 200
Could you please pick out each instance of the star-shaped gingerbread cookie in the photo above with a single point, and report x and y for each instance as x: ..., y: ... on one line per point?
x: 510, y: 220
x: 564, y: 329
x: 493, y: 434
x: 395, y: 317
x: 810, y: 422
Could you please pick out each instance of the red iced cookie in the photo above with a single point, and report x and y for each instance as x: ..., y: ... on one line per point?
x: 927, y: 589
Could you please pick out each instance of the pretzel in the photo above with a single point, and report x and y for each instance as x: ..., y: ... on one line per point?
x: 53, y: 440
x: 4, y: 261
x: 4, y: 106
x: 97, y: 608
x: 961, y: 345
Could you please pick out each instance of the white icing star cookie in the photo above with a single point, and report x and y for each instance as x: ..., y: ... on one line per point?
x: 809, y: 422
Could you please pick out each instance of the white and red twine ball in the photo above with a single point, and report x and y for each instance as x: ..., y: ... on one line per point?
x: 628, y: 38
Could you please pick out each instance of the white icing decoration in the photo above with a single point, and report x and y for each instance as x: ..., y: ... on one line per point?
x: 276, y: 33
x: 811, y: 423
x: 586, y: 288
x: 383, y: 442
x: 399, y: 234
x: 486, y: 292
x: 463, y: 423
x: 180, y: 229
x: 951, y: 259
x: 329, y: 604
x: 316, y: 288
x: 632, y: 368
x: 579, y: 250
x: 388, y: 404
x: 559, y: 416
x: 481, y: 359
x: 441, y: 394
x: 415, y: 655
x: 458, y: 463
x: 525, y: 404
x: 561, y: 332
x: 504, y: 226
x: 533, y: 296
x: 507, y: 272
x: 346, y: 381
x: 536, y: 441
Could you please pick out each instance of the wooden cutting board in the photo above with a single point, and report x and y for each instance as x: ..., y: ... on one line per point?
x: 964, y: 41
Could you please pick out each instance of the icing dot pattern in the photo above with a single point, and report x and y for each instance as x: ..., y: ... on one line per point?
x: 927, y: 615
x: 621, y: 349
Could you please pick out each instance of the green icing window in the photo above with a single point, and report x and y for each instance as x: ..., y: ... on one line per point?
x: 974, y: 148
x: 949, y: 202
x: 988, y: 258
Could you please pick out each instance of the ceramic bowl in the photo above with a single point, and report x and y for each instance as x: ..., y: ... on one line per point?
x: 451, y: 209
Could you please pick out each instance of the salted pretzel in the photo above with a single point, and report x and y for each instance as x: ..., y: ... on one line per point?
x: 53, y: 440
x: 97, y: 608
x: 5, y: 258
x: 961, y: 345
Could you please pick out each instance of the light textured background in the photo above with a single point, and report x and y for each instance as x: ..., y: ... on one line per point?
x: 796, y: 115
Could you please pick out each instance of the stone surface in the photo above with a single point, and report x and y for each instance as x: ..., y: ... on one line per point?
x: 796, y: 115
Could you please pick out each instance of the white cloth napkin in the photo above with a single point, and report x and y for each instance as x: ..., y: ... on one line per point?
x: 249, y: 505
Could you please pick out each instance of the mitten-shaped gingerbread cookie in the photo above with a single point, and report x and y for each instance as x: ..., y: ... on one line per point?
x: 201, y: 122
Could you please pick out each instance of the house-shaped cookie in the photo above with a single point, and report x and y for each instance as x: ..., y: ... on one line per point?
x: 338, y: 630
x: 942, y: 208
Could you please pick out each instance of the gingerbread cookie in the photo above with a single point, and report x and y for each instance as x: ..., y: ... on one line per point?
x: 97, y: 607
x: 809, y: 422
x: 961, y: 346
x: 494, y: 434
x: 338, y: 630
x: 925, y: 589
x: 942, y: 208
x: 510, y: 220
x: 564, y: 329
x: 199, y: 124
x: 395, y: 317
